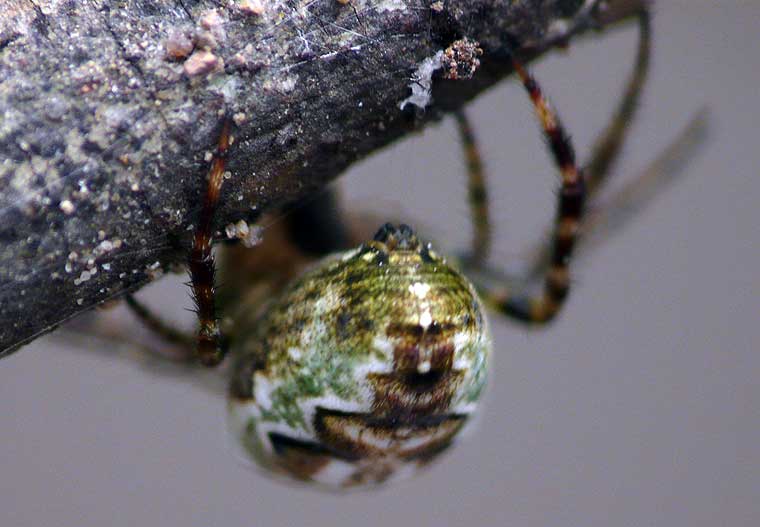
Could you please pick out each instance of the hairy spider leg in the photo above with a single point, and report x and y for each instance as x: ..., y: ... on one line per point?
x: 477, y: 194
x: 314, y: 226
x: 607, y: 147
x: 209, y: 342
x: 571, y: 199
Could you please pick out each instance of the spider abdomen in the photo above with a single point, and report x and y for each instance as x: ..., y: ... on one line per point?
x: 364, y: 369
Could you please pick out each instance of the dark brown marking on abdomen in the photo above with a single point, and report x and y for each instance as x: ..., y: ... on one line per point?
x: 303, y: 459
x: 356, y: 436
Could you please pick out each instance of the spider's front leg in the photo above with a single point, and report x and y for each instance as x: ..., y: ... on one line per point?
x: 309, y: 229
x: 210, y: 345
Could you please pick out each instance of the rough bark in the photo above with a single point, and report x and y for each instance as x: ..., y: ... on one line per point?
x: 108, y: 110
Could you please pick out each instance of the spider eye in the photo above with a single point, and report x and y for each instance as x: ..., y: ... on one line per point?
x: 427, y: 254
x: 373, y: 252
x: 401, y: 238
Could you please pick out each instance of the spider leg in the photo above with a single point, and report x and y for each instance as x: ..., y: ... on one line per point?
x: 609, y: 143
x: 544, y: 307
x: 476, y: 193
x: 172, y: 335
x: 607, y: 147
x: 209, y: 343
x: 605, y: 219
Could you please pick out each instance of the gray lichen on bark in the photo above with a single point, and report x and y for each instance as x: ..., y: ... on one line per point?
x: 109, y: 109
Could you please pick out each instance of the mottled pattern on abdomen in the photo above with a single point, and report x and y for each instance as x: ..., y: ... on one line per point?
x: 365, y: 369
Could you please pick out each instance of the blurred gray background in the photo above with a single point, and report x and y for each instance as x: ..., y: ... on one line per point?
x: 638, y: 407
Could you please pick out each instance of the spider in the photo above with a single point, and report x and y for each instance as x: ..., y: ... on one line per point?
x: 366, y: 365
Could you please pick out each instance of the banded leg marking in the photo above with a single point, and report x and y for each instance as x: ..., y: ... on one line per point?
x: 608, y: 144
x: 544, y: 307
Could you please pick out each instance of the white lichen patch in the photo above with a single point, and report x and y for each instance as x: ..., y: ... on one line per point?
x: 85, y: 275
x: 67, y: 207
x: 278, y: 11
x: 154, y: 270
x: 288, y: 84
x: 229, y: 87
x: 106, y: 246
x: 422, y: 82
x: 250, y: 236
x: 560, y: 28
x: 390, y: 5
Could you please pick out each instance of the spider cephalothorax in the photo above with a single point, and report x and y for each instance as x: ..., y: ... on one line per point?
x: 369, y: 363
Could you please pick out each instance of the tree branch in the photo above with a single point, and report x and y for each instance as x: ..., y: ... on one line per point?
x: 108, y: 110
